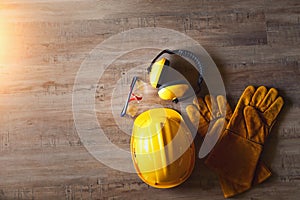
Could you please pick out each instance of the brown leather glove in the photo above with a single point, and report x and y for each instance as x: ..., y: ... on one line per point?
x: 235, y: 157
x: 216, y: 112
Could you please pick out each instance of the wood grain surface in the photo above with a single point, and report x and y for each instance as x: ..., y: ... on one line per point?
x: 43, y: 44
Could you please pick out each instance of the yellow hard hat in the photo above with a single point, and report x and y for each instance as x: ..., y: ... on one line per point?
x: 162, y: 148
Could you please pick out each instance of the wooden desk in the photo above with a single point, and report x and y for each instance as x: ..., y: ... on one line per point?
x: 43, y: 44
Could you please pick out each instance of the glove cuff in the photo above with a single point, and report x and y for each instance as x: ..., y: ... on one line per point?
x: 231, y: 189
x: 235, y: 158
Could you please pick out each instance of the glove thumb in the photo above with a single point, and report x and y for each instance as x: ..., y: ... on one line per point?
x: 256, y: 130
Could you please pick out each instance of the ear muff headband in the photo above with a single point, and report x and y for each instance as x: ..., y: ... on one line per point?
x: 172, y: 83
x: 195, y: 59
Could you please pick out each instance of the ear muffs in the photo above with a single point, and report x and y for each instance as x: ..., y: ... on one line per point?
x: 173, y: 90
x: 168, y: 76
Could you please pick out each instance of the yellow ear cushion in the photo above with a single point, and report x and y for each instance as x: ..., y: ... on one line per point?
x: 156, y: 72
x: 172, y: 92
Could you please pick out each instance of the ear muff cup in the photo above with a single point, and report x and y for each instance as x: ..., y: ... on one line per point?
x: 173, y: 90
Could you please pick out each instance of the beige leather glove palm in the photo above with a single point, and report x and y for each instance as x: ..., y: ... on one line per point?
x: 235, y: 157
x: 210, y: 110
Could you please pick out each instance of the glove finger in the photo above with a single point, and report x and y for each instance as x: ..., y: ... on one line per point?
x: 212, y: 105
x: 237, y: 121
x: 193, y: 114
x: 203, y: 127
x: 224, y: 107
x: 196, y: 103
x: 258, y: 96
x: 271, y: 113
x: 245, y: 98
x: 204, y: 109
x: 268, y: 100
x: 221, y: 101
x: 255, y: 127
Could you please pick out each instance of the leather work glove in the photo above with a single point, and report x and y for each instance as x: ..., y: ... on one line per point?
x: 235, y: 157
x: 217, y: 112
x: 209, y: 110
